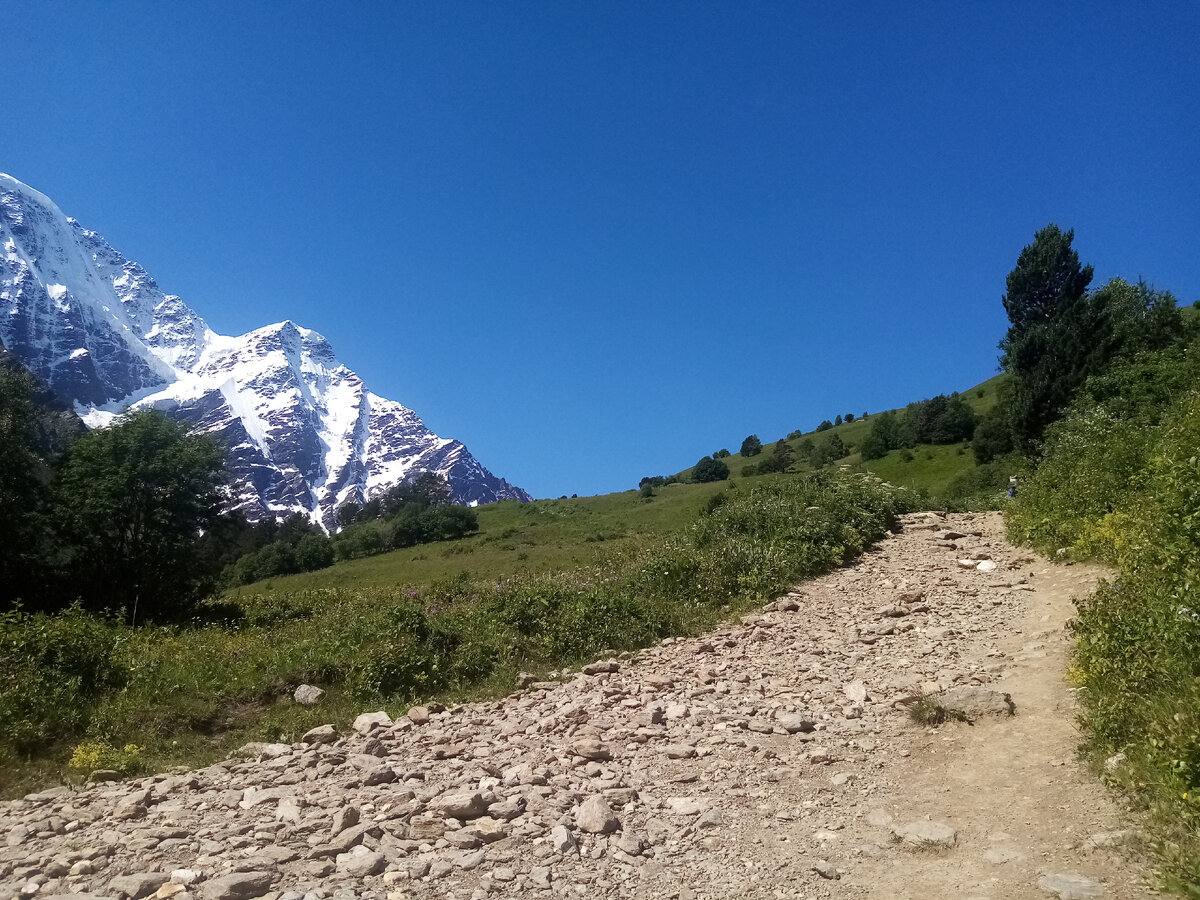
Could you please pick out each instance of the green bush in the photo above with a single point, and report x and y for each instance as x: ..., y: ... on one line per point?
x: 54, y: 669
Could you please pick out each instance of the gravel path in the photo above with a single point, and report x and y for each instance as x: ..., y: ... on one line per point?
x: 775, y: 758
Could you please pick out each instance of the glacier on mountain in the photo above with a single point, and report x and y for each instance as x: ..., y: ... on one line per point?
x: 304, y: 433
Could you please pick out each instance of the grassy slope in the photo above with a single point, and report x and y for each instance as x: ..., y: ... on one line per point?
x: 550, y: 535
x: 516, y: 538
x: 931, y: 469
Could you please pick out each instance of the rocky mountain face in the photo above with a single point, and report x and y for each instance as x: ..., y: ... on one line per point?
x: 304, y: 433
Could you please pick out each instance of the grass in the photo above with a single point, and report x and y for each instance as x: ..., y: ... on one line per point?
x: 928, y: 710
x: 388, y: 631
x: 931, y: 469
x: 517, y: 539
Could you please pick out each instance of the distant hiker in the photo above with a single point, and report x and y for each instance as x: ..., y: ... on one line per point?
x: 1012, y: 486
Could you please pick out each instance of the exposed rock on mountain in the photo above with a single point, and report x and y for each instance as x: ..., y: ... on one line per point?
x: 304, y: 433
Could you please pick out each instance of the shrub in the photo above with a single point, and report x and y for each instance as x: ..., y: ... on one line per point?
x: 54, y: 668
x: 709, y: 469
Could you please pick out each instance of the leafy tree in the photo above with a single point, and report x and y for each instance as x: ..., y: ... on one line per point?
x: 828, y: 451
x: 849, y: 417
x: 825, y: 426
x: 22, y: 489
x: 721, y: 454
x: 132, y: 500
x: 347, y: 513
x: 751, y: 446
x: 780, y: 460
x: 837, y: 421
x: 314, y: 551
x: 940, y: 420
x: 709, y: 469
x: 426, y: 490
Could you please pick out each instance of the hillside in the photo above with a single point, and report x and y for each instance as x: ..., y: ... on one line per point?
x: 928, y: 468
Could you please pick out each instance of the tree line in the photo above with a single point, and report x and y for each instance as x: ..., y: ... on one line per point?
x: 133, y: 518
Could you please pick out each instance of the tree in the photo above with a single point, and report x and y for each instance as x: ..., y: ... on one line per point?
x: 709, y: 469
x: 314, y: 551
x: 132, y: 500
x: 849, y: 417
x: 828, y: 451
x: 751, y: 446
x: 825, y: 426
x: 837, y: 421
x: 1048, y: 321
x: 22, y: 489
x: 780, y: 460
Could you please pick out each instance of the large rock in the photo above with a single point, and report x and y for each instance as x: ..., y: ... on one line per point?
x: 307, y: 694
x: 1070, y: 886
x: 590, y: 748
x: 361, y: 862
x: 463, y: 805
x: 237, y: 886
x: 368, y: 722
x: 322, y: 734
x: 137, y: 886
x: 977, y: 702
x: 924, y: 834
x: 595, y: 816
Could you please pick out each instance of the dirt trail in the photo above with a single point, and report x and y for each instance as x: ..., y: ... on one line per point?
x: 1023, y: 805
x: 773, y: 758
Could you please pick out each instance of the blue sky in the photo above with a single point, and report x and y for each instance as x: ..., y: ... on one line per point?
x: 596, y: 241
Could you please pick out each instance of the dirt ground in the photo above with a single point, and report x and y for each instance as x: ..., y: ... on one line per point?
x: 1023, y: 805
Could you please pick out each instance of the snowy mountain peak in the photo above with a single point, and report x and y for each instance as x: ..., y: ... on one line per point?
x: 304, y: 432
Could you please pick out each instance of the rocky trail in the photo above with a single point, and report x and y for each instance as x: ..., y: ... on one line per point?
x: 774, y: 758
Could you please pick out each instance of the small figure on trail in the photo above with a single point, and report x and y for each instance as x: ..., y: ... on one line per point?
x: 1012, y: 486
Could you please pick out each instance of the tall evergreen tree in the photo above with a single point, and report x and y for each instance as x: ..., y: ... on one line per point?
x: 1049, y: 320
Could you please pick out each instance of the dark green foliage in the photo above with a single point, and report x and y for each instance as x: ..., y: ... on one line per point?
x: 828, y: 451
x: 780, y: 459
x: 709, y: 469
x: 1119, y: 481
x: 751, y: 446
x: 411, y: 525
x: 838, y: 420
x: 1048, y: 321
x: 849, y: 417
x: 54, y: 666
x: 825, y: 425
x: 23, y: 491
x: 132, y: 500
x: 939, y: 420
x: 889, y: 431
x: 993, y: 436
x: 721, y: 454
x: 1060, y: 335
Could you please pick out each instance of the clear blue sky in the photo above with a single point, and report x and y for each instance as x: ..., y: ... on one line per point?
x: 596, y: 241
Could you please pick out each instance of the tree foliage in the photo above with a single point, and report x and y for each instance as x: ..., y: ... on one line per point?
x: 751, y: 446
x: 132, y: 501
x: 1060, y: 334
x: 23, y: 481
x: 709, y: 469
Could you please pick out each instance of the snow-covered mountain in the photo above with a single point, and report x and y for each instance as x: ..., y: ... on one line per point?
x: 304, y: 433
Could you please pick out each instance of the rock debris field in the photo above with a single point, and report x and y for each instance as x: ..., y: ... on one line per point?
x: 773, y: 758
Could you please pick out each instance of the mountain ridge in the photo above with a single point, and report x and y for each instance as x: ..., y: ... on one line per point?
x: 304, y: 433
